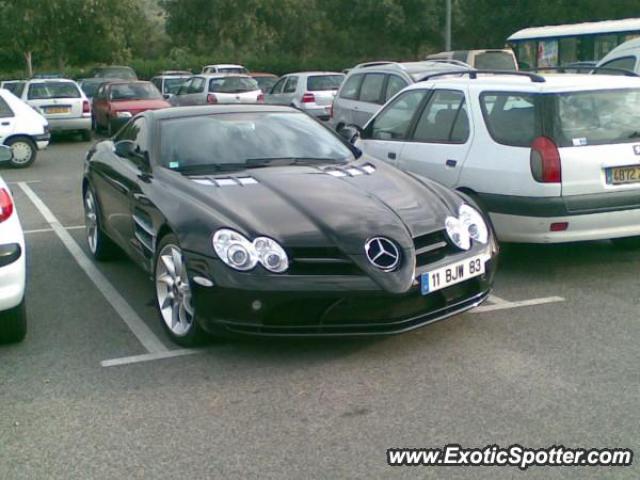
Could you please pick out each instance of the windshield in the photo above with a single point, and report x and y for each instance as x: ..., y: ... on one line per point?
x: 265, y: 83
x: 233, y: 85
x: 90, y: 87
x: 172, y: 85
x: 597, y: 118
x: 46, y: 90
x: 241, y: 140
x: 317, y: 83
x: 134, y: 91
x: 494, y: 61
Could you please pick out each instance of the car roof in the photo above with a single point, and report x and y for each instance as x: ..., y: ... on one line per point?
x: 184, y: 112
x: 223, y: 65
x: 45, y: 80
x: 559, y: 82
x: 620, y: 50
x: 222, y: 75
x: 315, y: 73
x: 414, y: 69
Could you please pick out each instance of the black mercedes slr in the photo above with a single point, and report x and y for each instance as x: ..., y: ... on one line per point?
x: 259, y: 220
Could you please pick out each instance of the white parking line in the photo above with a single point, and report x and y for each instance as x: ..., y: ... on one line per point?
x: 148, y: 357
x: 45, y: 230
x: 140, y: 329
x: 16, y: 182
x: 496, y: 300
x: 522, y: 303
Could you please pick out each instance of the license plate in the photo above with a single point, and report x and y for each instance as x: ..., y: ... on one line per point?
x: 58, y: 109
x: 620, y: 175
x: 451, y: 274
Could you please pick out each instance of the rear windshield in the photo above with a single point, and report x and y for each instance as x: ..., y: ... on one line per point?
x: 134, y: 91
x: 233, y: 85
x: 510, y: 117
x: 318, y: 83
x: 494, y: 61
x: 172, y: 85
x: 231, y: 70
x: 597, y: 118
x: 15, y: 87
x: 123, y: 73
x: 46, y: 90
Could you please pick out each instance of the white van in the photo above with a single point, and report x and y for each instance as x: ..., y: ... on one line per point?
x: 491, y: 59
x: 625, y: 56
x: 21, y: 128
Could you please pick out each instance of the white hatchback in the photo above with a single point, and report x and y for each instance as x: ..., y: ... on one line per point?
x: 13, y: 322
x: 552, y: 158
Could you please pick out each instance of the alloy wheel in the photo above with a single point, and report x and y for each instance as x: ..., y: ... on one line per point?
x: 173, y: 291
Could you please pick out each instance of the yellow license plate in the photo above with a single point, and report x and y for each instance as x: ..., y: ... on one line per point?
x: 619, y: 175
x: 58, y: 110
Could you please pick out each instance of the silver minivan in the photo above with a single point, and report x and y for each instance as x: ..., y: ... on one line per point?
x: 368, y: 86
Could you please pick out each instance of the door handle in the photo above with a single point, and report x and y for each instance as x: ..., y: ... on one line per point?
x: 391, y: 155
x: 6, y: 124
x: 452, y: 163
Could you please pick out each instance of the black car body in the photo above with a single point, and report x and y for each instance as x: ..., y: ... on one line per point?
x: 322, y: 214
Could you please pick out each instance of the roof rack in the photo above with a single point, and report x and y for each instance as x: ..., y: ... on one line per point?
x: 374, y: 64
x: 591, y: 69
x: 473, y: 74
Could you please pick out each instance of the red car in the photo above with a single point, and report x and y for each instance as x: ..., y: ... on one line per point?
x: 116, y: 102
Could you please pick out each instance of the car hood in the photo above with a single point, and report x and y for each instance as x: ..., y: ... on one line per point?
x: 301, y: 206
x: 138, y: 105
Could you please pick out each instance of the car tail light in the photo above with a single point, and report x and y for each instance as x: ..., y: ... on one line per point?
x: 545, y: 161
x: 558, y: 226
x: 308, y: 97
x: 6, y: 205
x: 261, y: 98
x: 86, y: 107
x: 211, y: 98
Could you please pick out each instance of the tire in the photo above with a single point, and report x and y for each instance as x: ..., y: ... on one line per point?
x: 627, y: 243
x: 100, y: 245
x: 24, y: 151
x: 173, y: 294
x: 86, y: 135
x: 13, y: 324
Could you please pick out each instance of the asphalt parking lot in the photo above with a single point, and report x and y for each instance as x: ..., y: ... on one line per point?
x: 98, y: 391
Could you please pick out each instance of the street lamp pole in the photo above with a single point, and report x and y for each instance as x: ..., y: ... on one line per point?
x: 447, y: 35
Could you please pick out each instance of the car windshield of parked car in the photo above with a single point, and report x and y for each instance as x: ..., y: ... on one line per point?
x: 265, y: 83
x: 494, y: 61
x: 46, y: 90
x: 120, y: 73
x: 172, y: 85
x: 598, y: 117
x: 134, y: 91
x: 233, y: 85
x: 317, y: 83
x: 232, y: 70
x: 240, y: 140
x: 90, y: 88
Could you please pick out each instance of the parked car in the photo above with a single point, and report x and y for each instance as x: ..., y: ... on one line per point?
x: 551, y: 158
x: 116, y: 72
x: 14, y: 86
x: 13, y: 317
x: 23, y: 129
x: 224, y: 68
x: 63, y: 104
x: 258, y: 220
x: 266, y: 81
x: 169, y: 82
x: 117, y: 102
x: 486, y: 59
x: 311, y: 92
x: 369, y: 85
x: 217, y: 88
x: 625, y: 56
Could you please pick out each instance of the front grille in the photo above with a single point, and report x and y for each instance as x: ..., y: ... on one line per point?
x: 321, y: 261
x: 432, y: 247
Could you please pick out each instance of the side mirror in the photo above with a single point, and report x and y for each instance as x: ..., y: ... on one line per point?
x: 168, y: 96
x: 6, y: 154
x: 350, y: 133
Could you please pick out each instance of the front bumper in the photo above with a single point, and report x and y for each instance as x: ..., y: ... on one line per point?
x: 324, y: 306
x: 69, y: 124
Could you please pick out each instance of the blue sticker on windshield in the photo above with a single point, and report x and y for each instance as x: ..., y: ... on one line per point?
x: 174, y: 164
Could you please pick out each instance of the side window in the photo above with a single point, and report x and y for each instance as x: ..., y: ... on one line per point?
x: 444, y: 120
x: 351, y: 87
x: 197, y: 85
x: 185, y: 87
x: 624, y: 63
x: 394, y: 121
x: 510, y: 117
x: 5, y: 109
x: 394, y: 85
x: 291, y: 85
x: 371, y: 89
x: 277, y: 88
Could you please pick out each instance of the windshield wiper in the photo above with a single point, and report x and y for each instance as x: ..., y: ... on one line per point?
x: 264, y: 162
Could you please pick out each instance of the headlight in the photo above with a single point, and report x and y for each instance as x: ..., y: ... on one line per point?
x: 271, y: 255
x: 458, y: 233
x: 239, y: 253
x: 474, y: 224
x: 234, y: 250
x: 123, y: 114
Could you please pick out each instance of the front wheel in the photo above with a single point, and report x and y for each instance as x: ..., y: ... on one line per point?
x: 13, y: 324
x: 24, y: 151
x: 173, y: 294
